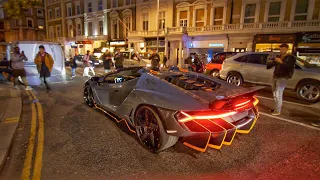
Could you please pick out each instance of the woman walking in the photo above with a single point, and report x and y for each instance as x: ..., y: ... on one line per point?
x: 44, y: 62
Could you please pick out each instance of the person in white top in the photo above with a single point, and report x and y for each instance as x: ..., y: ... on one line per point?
x: 87, y: 65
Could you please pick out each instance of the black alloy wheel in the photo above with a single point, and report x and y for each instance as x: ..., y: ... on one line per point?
x: 88, y: 96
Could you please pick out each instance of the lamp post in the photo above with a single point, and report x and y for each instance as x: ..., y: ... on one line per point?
x: 158, y: 25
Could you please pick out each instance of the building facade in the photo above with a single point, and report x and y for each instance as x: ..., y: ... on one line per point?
x: 210, y: 26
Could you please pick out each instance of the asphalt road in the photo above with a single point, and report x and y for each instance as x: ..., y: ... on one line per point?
x: 82, y: 143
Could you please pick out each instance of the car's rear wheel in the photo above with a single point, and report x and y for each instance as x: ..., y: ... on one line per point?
x: 235, y: 78
x: 88, y: 96
x: 214, y: 73
x: 309, y: 91
x: 150, y: 130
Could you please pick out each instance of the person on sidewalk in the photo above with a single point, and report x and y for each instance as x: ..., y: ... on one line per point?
x: 165, y: 59
x: 74, y: 64
x: 155, y: 60
x: 17, y: 65
x: 44, y: 62
x: 118, y: 58
x: 87, y: 65
x: 284, y: 68
x: 107, y: 61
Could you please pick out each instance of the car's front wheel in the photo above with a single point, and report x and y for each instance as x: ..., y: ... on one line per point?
x: 309, y: 91
x: 150, y: 130
x: 235, y: 78
x: 215, y: 73
x: 88, y: 96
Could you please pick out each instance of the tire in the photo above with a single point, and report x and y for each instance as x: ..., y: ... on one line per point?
x: 145, y: 132
x: 88, y: 96
x: 235, y: 78
x: 214, y: 73
x: 304, y: 91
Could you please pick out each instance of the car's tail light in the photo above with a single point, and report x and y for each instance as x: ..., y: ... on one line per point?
x: 189, y: 116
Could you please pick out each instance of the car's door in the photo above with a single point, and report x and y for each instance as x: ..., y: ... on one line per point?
x: 259, y: 72
x: 243, y: 67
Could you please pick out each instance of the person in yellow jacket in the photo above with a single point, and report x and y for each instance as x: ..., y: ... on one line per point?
x: 44, y: 63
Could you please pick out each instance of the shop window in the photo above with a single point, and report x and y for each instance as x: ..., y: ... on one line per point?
x: 271, y: 47
x: 183, y: 18
x: 78, y: 9
x: 100, y: 5
x: 258, y: 59
x: 90, y: 7
x: 250, y: 12
x: 301, y: 10
x: 218, y: 16
x: 199, y: 17
x: 101, y: 27
x: 145, y: 22
x: 90, y: 30
x: 127, y: 21
x: 274, y: 11
x: 162, y: 20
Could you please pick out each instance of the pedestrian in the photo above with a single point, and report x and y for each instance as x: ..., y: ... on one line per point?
x: 118, y: 58
x: 155, y: 60
x: 44, y: 62
x: 165, y: 59
x: 74, y: 64
x: 17, y: 65
x: 107, y: 61
x: 284, y: 68
x: 87, y: 65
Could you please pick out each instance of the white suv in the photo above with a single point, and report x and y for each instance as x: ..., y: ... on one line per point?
x: 251, y: 67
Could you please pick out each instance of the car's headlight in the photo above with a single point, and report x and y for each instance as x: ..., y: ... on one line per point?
x: 148, y: 65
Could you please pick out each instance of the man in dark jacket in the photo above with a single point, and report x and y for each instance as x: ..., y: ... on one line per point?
x: 74, y: 64
x: 165, y: 59
x: 155, y: 60
x: 118, y: 58
x: 284, y: 67
x: 107, y: 61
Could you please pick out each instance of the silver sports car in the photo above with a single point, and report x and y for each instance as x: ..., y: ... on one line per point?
x: 164, y: 107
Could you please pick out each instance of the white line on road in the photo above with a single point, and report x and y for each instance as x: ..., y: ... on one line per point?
x: 290, y: 121
x: 317, y: 105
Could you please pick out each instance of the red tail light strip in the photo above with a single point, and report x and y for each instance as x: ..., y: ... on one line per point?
x: 217, y: 116
x: 242, y: 104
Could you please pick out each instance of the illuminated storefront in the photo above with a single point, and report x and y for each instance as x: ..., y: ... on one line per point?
x: 308, y: 47
x: 83, y: 46
x: 122, y: 45
x: 272, y: 42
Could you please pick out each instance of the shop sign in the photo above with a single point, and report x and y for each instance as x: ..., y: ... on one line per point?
x: 215, y: 45
x: 309, y: 37
x: 117, y: 43
x: 83, y: 42
x: 272, y: 38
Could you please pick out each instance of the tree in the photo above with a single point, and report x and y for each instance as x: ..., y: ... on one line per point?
x: 17, y: 9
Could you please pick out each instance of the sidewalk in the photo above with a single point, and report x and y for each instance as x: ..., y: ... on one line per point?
x: 10, y: 112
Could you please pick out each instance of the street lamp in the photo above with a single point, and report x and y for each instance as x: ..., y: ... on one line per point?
x: 158, y: 25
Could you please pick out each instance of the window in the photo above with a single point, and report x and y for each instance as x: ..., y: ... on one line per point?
x: 90, y: 7
x: 78, y: 9
x: 258, y: 59
x: 127, y: 2
x: 79, y: 31
x: 114, y: 3
x: 274, y: 11
x: 183, y: 18
x: 127, y: 21
x: 250, y: 12
x: 218, y: 16
x: 29, y: 12
x: 50, y: 14
x: 1, y: 13
x: 70, y: 30
x: 162, y: 20
x: 199, y: 17
x: 30, y: 23
x: 301, y: 10
x: 58, y: 28
x: 90, y: 31
x: 51, y: 32
x: 69, y: 10
x: 40, y: 23
x: 58, y: 13
x: 40, y: 13
x: 115, y: 28
x: 101, y: 27
x: 100, y: 6
x: 244, y: 59
x: 145, y: 22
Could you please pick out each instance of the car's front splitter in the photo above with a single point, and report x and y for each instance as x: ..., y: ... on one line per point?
x: 218, y: 132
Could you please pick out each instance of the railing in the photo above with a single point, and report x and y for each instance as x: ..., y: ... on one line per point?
x: 98, y: 37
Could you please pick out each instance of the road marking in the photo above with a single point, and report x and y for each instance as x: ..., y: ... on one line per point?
x: 38, y: 161
x: 28, y: 160
x: 33, y: 95
x: 290, y: 121
x: 317, y: 105
x: 11, y: 120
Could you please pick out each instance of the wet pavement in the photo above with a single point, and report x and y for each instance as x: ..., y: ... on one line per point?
x: 82, y: 143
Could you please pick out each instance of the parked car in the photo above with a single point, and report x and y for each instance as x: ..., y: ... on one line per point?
x: 130, y: 62
x: 251, y: 67
x: 162, y: 107
x: 215, y: 65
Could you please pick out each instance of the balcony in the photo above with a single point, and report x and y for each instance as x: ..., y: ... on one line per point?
x: 255, y: 28
x: 98, y: 37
